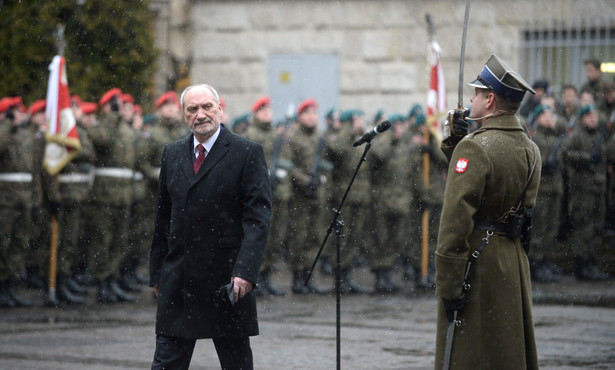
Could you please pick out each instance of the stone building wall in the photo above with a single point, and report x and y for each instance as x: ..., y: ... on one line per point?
x: 382, y: 44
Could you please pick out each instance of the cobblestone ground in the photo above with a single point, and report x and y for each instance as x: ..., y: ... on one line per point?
x: 575, y: 329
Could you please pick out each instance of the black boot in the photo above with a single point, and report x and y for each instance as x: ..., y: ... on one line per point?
x: 129, y: 282
x: 75, y: 287
x: 587, y: 270
x: 267, y: 287
x: 349, y: 286
x: 545, y: 271
x: 6, y: 301
x: 84, y: 278
x: 122, y: 295
x: 19, y: 301
x: 427, y: 282
x: 64, y: 293
x: 105, y: 295
x: 299, y: 286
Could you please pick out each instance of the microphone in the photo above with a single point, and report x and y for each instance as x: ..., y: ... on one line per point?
x: 367, y: 138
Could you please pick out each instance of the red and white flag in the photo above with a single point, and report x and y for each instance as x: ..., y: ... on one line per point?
x: 436, y: 95
x: 62, y: 137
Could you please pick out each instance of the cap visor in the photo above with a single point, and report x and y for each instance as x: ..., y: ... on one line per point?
x: 477, y: 83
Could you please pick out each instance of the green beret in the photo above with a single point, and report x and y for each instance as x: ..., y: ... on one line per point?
x: 150, y: 119
x: 416, y: 109
x: 397, y: 118
x: 540, y: 109
x: 420, y: 119
x: 330, y: 113
x: 381, y: 113
x: 244, y: 118
x: 586, y: 109
x: 348, y: 115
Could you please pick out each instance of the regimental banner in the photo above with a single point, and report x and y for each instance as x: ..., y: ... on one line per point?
x: 436, y: 95
x: 61, y: 137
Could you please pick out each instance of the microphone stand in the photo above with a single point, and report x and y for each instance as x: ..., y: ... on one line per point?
x: 338, y: 225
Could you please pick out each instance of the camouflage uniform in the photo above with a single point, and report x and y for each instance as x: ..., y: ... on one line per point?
x: 18, y: 181
x: 112, y: 194
x: 392, y: 191
x: 547, y: 213
x: 148, y: 153
x: 584, y: 158
x: 430, y: 200
x: 305, y: 231
x: 264, y: 134
x: 344, y: 159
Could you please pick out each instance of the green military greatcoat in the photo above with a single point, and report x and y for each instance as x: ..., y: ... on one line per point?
x: 487, y: 172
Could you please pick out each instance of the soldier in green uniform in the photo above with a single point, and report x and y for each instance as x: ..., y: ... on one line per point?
x: 261, y: 131
x: 307, y: 200
x: 344, y: 158
x: 584, y: 157
x: 167, y: 128
x: 430, y: 165
x: 392, y: 190
x: 19, y: 194
x: 547, y: 213
x: 113, y: 141
x: 492, y: 181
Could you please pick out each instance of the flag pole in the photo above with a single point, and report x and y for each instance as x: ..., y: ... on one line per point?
x: 53, y: 240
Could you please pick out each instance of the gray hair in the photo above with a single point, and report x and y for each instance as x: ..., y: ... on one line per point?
x: 208, y: 87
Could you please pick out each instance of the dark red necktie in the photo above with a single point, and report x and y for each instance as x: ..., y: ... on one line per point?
x: 199, y: 160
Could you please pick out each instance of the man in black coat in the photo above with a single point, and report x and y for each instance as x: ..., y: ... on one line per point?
x: 211, y: 226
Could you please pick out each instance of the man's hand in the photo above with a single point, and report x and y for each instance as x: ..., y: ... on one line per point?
x: 155, y: 289
x: 241, y: 287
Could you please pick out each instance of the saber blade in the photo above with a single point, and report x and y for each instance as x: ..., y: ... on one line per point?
x: 463, y: 53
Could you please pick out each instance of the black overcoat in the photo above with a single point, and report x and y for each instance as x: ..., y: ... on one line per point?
x: 208, y: 228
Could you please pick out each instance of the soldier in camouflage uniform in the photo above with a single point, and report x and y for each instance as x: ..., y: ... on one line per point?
x: 345, y: 158
x: 19, y: 193
x: 430, y: 193
x: 260, y: 130
x: 584, y: 157
x: 392, y: 190
x: 548, y: 202
x: 112, y: 193
x: 305, y: 231
x: 149, y: 145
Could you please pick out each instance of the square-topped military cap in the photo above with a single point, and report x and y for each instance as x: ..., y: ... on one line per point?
x: 502, y: 80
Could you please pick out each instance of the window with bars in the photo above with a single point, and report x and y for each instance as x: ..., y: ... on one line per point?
x: 556, y: 51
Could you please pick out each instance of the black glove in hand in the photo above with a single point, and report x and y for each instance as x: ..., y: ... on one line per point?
x: 310, y: 190
x: 452, y: 305
x: 460, y: 125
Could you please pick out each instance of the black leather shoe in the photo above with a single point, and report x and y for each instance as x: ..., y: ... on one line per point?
x: 349, y: 286
x: 122, y: 295
x: 84, y: 278
x: 6, y: 301
x: 65, y: 295
x: 19, y: 301
x: 299, y: 286
x: 266, y: 287
x: 105, y: 295
x: 75, y: 287
x: 129, y: 283
x: 587, y: 270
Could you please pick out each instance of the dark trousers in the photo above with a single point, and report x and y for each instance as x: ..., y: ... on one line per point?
x: 174, y: 353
